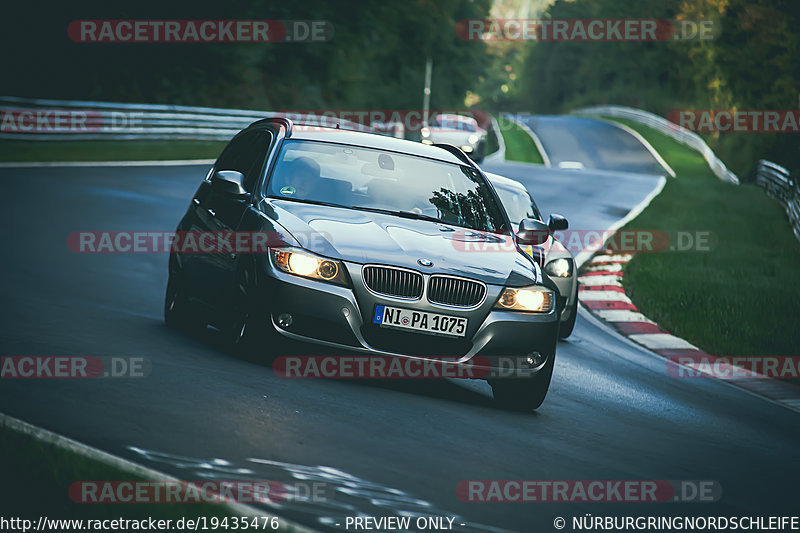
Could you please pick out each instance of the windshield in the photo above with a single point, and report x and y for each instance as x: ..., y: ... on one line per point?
x: 453, y: 124
x: 518, y: 204
x: 365, y: 178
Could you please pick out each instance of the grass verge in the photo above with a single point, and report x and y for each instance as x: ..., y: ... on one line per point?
x: 742, y: 296
x: 37, y: 477
x: 27, y: 151
x: 519, y: 145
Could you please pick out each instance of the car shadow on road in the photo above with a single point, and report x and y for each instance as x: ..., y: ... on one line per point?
x: 436, y: 388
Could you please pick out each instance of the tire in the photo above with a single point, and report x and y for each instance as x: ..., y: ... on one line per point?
x: 242, y: 334
x: 248, y: 333
x: 524, y: 394
x: 480, y: 153
x: 178, y: 312
x: 566, y: 327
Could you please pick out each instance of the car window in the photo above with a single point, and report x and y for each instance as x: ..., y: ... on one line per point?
x: 374, y: 179
x: 518, y: 204
x: 454, y: 124
x: 246, y: 153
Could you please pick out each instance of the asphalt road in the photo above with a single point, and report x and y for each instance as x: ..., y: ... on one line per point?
x: 593, y: 143
x: 379, y: 448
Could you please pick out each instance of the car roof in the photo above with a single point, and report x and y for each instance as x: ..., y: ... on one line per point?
x: 372, y: 140
x: 502, y: 181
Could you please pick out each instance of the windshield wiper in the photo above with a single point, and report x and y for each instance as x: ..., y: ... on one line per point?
x: 404, y: 214
x: 314, y: 202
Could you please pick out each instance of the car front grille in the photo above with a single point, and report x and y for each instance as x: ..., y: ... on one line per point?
x: 393, y: 282
x: 456, y: 292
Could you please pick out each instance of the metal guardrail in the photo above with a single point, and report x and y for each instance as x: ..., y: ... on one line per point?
x: 61, y: 120
x: 680, y: 134
x: 777, y: 183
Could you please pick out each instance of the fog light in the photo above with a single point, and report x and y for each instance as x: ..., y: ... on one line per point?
x: 561, y: 267
x: 534, y: 359
x: 285, y: 320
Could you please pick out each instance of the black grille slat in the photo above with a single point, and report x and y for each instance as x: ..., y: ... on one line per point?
x: 393, y: 282
x: 457, y: 292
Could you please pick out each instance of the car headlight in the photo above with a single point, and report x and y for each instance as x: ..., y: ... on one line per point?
x: 307, y: 265
x: 473, y: 138
x: 425, y: 132
x: 560, y: 268
x: 534, y: 299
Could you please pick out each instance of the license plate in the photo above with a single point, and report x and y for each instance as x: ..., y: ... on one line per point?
x: 395, y: 317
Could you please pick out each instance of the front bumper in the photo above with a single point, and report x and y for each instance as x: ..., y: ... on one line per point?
x: 341, y: 317
x: 566, y: 288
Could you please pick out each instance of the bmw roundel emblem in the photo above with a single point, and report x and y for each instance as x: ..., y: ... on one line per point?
x: 425, y: 262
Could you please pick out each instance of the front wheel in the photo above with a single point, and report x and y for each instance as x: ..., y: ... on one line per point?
x: 524, y: 394
x: 249, y: 333
x: 178, y: 312
x: 566, y: 327
x: 479, y: 153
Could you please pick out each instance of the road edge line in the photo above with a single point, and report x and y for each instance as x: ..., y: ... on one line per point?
x: 536, y: 140
x: 658, y: 342
x: 638, y: 136
x: 108, y: 459
x: 584, y: 256
x: 604, y: 325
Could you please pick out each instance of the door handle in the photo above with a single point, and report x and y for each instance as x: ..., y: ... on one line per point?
x: 212, y: 212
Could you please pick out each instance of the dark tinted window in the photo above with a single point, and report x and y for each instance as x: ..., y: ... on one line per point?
x: 246, y: 153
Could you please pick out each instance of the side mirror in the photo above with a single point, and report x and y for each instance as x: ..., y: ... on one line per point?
x: 532, y: 231
x: 557, y: 222
x: 228, y: 182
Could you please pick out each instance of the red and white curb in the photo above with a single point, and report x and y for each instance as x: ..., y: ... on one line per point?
x: 601, y: 292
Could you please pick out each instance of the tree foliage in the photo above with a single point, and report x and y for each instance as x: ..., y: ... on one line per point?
x: 751, y: 64
x: 376, y: 58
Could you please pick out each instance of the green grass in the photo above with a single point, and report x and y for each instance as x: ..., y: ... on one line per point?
x: 740, y: 298
x: 25, y: 151
x: 37, y: 476
x: 519, y: 145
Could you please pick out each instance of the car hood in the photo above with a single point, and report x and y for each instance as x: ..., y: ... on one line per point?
x: 366, y: 237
